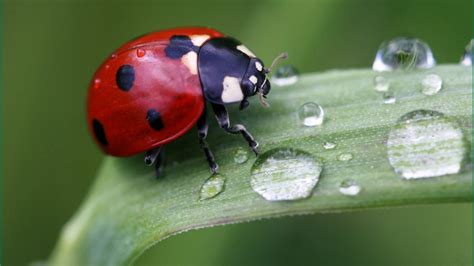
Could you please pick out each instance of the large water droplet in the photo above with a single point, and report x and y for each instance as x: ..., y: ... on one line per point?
x: 388, y: 97
x: 311, y: 114
x: 329, y: 145
x: 403, y: 53
x: 240, y: 156
x: 431, y: 84
x: 344, y: 157
x: 140, y: 52
x: 466, y: 59
x: 349, y: 187
x: 381, y: 83
x: 285, y: 75
x: 285, y: 174
x: 424, y: 144
x: 212, y: 187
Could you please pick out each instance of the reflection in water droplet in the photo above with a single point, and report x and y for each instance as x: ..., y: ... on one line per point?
x: 349, y: 187
x: 381, y: 83
x: 285, y: 75
x: 466, y: 59
x: 97, y: 83
x: 311, y: 114
x: 141, y: 52
x: 285, y: 174
x: 329, y: 145
x: 431, y: 84
x: 345, y: 156
x: 240, y: 156
x: 212, y: 187
x: 388, y: 97
x: 403, y: 53
x: 426, y: 144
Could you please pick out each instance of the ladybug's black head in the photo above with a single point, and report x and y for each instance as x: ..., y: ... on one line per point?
x: 256, y: 81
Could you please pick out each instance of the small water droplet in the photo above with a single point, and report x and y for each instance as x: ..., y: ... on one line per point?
x: 344, y: 157
x: 466, y: 59
x: 285, y: 174
x: 431, y: 84
x: 212, y: 187
x: 311, y: 114
x: 97, y: 83
x: 403, y: 53
x: 240, y: 156
x: 424, y: 144
x: 329, y: 145
x: 285, y: 75
x: 349, y: 187
x: 141, y: 52
x: 388, y: 97
x: 113, y: 56
x: 107, y: 66
x: 381, y: 83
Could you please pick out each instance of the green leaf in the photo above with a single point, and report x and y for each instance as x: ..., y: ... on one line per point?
x: 128, y: 209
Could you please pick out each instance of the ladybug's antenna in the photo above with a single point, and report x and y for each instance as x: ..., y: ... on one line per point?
x: 277, y: 60
x: 261, y: 96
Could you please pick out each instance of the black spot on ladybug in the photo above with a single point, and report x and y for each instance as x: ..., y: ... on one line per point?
x: 125, y: 77
x: 99, y: 132
x: 154, y: 119
x: 179, y: 45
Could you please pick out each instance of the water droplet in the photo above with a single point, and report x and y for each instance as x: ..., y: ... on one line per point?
x: 329, y: 145
x: 285, y: 75
x: 240, y: 156
x: 347, y: 156
x: 285, y: 174
x: 381, y: 83
x: 388, y: 97
x: 212, y: 187
x: 466, y: 59
x: 107, y: 66
x: 97, y: 83
x: 403, y: 53
x: 424, y: 144
x: 141, y: 52
x: 311, y: 114
x: 113, y: 56
x: 431, y: 84
x: 349, y: 187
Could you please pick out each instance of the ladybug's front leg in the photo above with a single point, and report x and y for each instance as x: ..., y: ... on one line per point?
x: 155, y: 156
x: 202, y: 134
x: 222, y: 117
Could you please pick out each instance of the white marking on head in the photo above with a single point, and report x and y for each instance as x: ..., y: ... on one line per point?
x: 190, y: 61
x: 258, y: 66
x: 198, y: 40
x: 253, y: 79
x: 231, y: 92
x: 245, y: 50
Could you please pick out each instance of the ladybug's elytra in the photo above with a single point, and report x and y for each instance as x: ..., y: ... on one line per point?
x: 154, y: 88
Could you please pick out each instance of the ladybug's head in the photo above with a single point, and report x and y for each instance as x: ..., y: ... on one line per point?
x: 256, y: 80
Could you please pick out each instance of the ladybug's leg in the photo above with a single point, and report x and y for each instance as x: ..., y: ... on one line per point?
x: 202, y: 134
x: 222, y: 117
x: 155, y: 156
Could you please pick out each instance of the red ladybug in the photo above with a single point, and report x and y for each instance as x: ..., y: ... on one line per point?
x: 154, y: 88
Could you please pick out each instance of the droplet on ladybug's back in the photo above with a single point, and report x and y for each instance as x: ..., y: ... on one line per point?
x: 96, y: 83
x: 141, y: 52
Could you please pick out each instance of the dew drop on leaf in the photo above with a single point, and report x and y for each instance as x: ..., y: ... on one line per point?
x: 349, y: 187
x: 431, y: 84
x: 425, y: 143
x: 403, y: 53
x: 212, y: 187
x: 285, y: 174
x: 466, y: 59
x: 381, y: 83
x: 285, y: 75
x: 240, y: 156
x: 311, y: 114
x: 344, y: 157
x: 388, y: 97
x: 329, y: 145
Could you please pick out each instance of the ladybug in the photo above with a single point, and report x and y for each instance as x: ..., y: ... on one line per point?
x: 154, y: 89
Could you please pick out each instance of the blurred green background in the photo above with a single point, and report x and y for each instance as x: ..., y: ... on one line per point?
x: 51, y: 48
